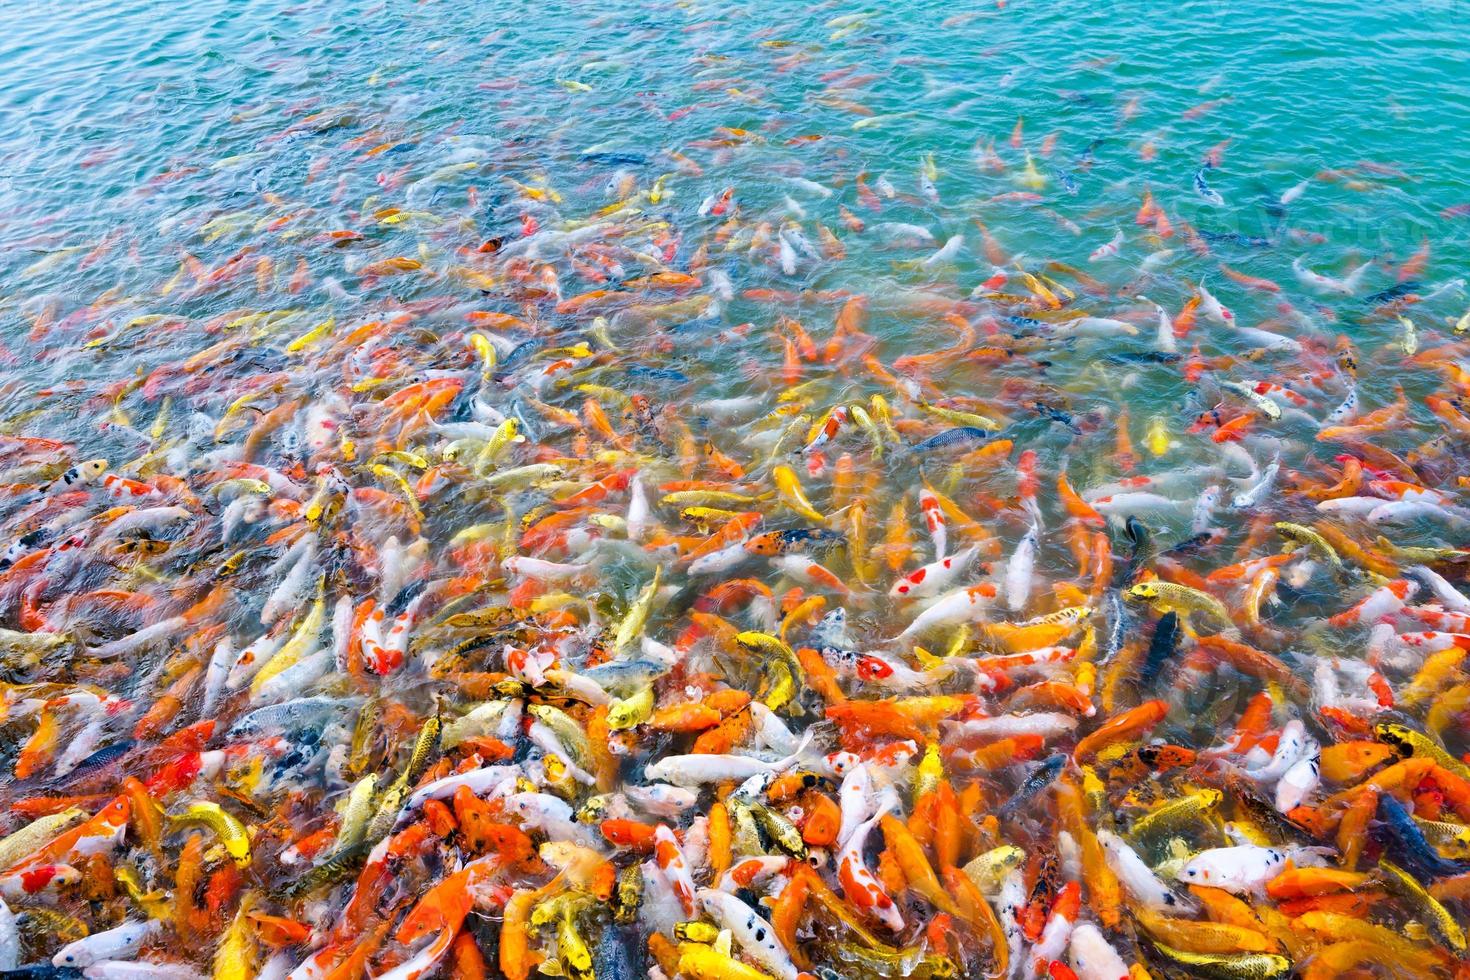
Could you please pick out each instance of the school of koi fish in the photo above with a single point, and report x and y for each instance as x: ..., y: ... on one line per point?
x: 415, y: 589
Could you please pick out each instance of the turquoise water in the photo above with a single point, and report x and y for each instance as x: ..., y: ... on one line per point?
x: 128, y: 128
x: 101, y: 99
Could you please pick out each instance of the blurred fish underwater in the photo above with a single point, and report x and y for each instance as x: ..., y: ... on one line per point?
x: 733, y: 492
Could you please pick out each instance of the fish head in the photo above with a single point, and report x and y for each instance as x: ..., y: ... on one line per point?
x: 1398, y: 736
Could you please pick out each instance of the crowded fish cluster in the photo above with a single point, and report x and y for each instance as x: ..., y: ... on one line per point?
x: 465, y: 568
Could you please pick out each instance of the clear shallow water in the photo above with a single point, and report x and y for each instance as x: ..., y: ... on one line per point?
x: 171, y: 172
x: 102, y: 99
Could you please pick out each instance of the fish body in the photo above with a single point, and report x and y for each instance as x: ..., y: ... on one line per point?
x: 1244, y: 966
x: 1020, y: 570
x: 1241, y: 869
x: 1137, y: 877
x: 119, y: 943
x: 1108, y: 249
x: 1205, y: 191
x: 1175, y: 815
x: 440, y: 547
x: 694, y: 770
x: 1037, y: 780
x: 1346, y: 286
x: 1170, y: 595
x: 929, y: 580
x: 964, y: 605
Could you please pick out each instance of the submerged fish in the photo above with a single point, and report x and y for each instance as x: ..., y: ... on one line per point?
x: 712, y: 547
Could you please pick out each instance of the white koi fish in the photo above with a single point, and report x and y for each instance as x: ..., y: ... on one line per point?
x: 1326, y: 285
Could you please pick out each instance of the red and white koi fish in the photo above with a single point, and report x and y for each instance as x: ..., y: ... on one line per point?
x: 934, y: 520
x: 26, y: 885
x: 529, y: 666
x: 934, y: 577
x: 124, y: 489
x: 671, y: 863
x: 808, y: 572
x: 384, y: 651
x: 102, y: 834
x: 1058, y: 930
x: 1383, y: 601
x: 1108, y: 249
x: 753, y: 871
x: 876, y: 669
x: 1213, y: 308
x: 859, y: 885
x: 717, y: 204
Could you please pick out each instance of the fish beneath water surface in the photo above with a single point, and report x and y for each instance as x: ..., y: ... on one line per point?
x: 434, y: 549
